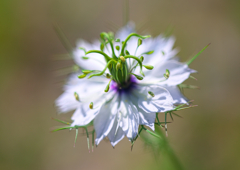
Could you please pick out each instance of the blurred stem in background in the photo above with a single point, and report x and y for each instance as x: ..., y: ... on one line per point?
x: 125, y: 12
x: 161, y: 150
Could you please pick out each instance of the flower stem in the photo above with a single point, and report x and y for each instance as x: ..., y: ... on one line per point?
x: 168, y: 152
x: 161, y: 149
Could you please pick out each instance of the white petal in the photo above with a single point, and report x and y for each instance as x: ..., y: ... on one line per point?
x: 162, y: 101
x: 147, y: 119
x: 128, y: 117
x: 66, y: 102
x: 161, y: 46
x: 116, y: 134
x: 103, y: 122
x: 95, y: 61
x: 144, y: 118
x: 86, y: 88
x: 178, y: 97
x: 125, y: 31
x: 179, y: 72
x: 84, y: 115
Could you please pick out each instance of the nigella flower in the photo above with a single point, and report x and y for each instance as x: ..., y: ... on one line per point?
x: 126, y: 80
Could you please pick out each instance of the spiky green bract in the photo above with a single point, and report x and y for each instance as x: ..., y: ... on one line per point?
x: 63, y: 38
x: 192, y: 59
x: 76, y: 128
x: 61, y: 121
x: 151, y: 133
x: 179, y: 107
x: 188, y: 86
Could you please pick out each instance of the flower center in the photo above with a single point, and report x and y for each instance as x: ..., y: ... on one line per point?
x: 121, y: 71
x: 126, y: 87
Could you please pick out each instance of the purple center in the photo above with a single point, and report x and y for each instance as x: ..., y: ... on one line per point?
x: 126, y: 87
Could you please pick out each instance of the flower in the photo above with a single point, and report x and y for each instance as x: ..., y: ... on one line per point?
x: 115, y: 97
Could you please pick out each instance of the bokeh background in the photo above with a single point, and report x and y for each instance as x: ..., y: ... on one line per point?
x: 206, y: 138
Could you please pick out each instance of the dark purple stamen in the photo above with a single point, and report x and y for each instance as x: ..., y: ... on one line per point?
x: 125, y: 87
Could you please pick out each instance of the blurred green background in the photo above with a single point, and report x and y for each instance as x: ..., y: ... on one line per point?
x: 208, y: 137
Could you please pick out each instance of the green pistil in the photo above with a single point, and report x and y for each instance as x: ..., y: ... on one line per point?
x: 107, y: 88
x: 102, y: 72
x: 131, y: 35
x: 138, y: 60
x: 137, y: 76
x: 107, y: 58
x: 110, y: 39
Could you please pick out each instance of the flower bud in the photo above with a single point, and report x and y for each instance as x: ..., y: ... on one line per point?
x: 117, y: 40
x: 151, y: 93
x: 139, y: 42
x: 102, y: 46
x: 111, y: 35
x: 82, y: 76
x: 107, y: 88
x: 137, y: 76
x: 149, y: 52
x: 87, y: 71
x: 167, y: 74
x: 149, y: 67
x: 85, y: 58
x: 142, y: 58
x: 126, y: 51
x: 117, y: 47
x: 118, y: 66
x: 91, y: 105
x: 76, y: 96
x: 108, y: 75
x: 122, y: 59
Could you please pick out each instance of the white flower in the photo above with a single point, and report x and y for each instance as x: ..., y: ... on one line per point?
x: 128, y: 101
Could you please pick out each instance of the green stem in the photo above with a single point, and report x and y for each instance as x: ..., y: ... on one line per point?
x: 168, y: 151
